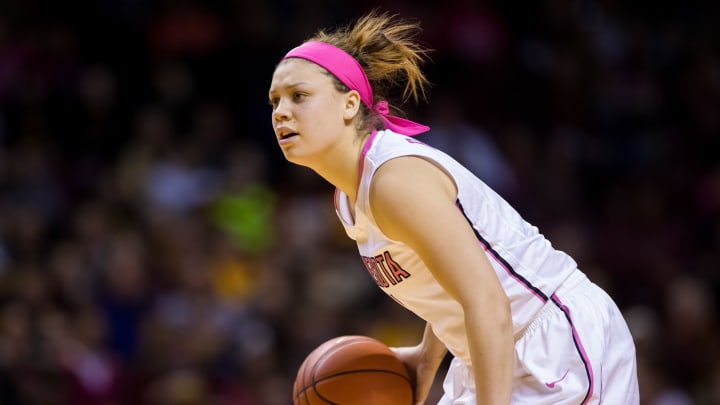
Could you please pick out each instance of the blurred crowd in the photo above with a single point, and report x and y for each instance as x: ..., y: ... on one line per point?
x: 156, y: 249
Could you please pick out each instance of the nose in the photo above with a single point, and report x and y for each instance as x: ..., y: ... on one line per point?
x: 280, y: 112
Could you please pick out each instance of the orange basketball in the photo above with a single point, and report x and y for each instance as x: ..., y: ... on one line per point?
x: 352, y: 370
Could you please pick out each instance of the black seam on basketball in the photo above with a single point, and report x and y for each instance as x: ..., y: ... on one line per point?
x: 365, y: 370
x: 307, y: 399
x: 319, y: 361
x: 349, y: 341
x: 301, y: 390
x: 325, y: 399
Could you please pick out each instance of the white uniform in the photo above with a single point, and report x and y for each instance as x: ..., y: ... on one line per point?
x: 572, y: 344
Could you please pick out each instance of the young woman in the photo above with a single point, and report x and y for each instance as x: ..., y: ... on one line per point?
x: 524, y: 325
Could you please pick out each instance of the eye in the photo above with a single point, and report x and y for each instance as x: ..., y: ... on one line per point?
x: 297, y: 96
x: 273, y: 101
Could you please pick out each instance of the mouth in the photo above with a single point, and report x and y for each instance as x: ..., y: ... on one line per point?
x: 285, y: 136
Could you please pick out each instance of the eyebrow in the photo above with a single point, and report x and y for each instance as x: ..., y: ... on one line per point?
x: 289, y: 86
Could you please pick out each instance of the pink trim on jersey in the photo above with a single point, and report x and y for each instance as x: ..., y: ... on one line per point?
x: 368, y: 144
x: 498, y: 259
x: 540, y: 295
x: 511, y: 273
x: 361, y: 166
x: 579, y: 345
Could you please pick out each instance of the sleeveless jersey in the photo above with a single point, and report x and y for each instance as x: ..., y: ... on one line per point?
x: 529, y: 268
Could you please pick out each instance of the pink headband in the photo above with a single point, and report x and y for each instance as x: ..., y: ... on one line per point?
x: 350, y: 73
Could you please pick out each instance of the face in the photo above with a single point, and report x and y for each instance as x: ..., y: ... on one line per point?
x: 309, y: 115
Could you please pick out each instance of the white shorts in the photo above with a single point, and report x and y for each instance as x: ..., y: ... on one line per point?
x: 578, y: 350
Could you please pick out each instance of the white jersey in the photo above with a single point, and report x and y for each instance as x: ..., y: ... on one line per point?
x: 529, y: 268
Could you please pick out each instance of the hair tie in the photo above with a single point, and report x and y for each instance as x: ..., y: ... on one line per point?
x: 343, y: 66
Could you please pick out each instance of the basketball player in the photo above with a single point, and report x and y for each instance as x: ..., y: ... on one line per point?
x: 524, y: 325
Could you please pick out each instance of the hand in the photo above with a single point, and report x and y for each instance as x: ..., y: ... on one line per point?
x: 422, y: 371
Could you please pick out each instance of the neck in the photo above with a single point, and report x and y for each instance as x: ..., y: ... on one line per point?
x: 341, y: 167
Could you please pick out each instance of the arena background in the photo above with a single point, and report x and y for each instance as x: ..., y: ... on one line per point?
x: 155, y: 247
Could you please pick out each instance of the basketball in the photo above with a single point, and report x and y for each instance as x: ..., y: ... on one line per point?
x: 352, y: 370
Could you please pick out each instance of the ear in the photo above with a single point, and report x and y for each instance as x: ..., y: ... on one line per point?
x: 352, y: 105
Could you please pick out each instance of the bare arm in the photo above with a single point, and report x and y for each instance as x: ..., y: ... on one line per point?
x: 413, y: 201
x: 423, y: 361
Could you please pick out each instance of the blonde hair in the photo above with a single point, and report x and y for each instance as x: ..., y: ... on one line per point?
x: 386, y: 48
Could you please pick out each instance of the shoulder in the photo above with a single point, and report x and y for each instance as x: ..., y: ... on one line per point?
x: 409, y: 178
x: 389, y: 144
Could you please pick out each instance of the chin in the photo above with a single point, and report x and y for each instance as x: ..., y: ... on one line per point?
x: 294, y: 158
